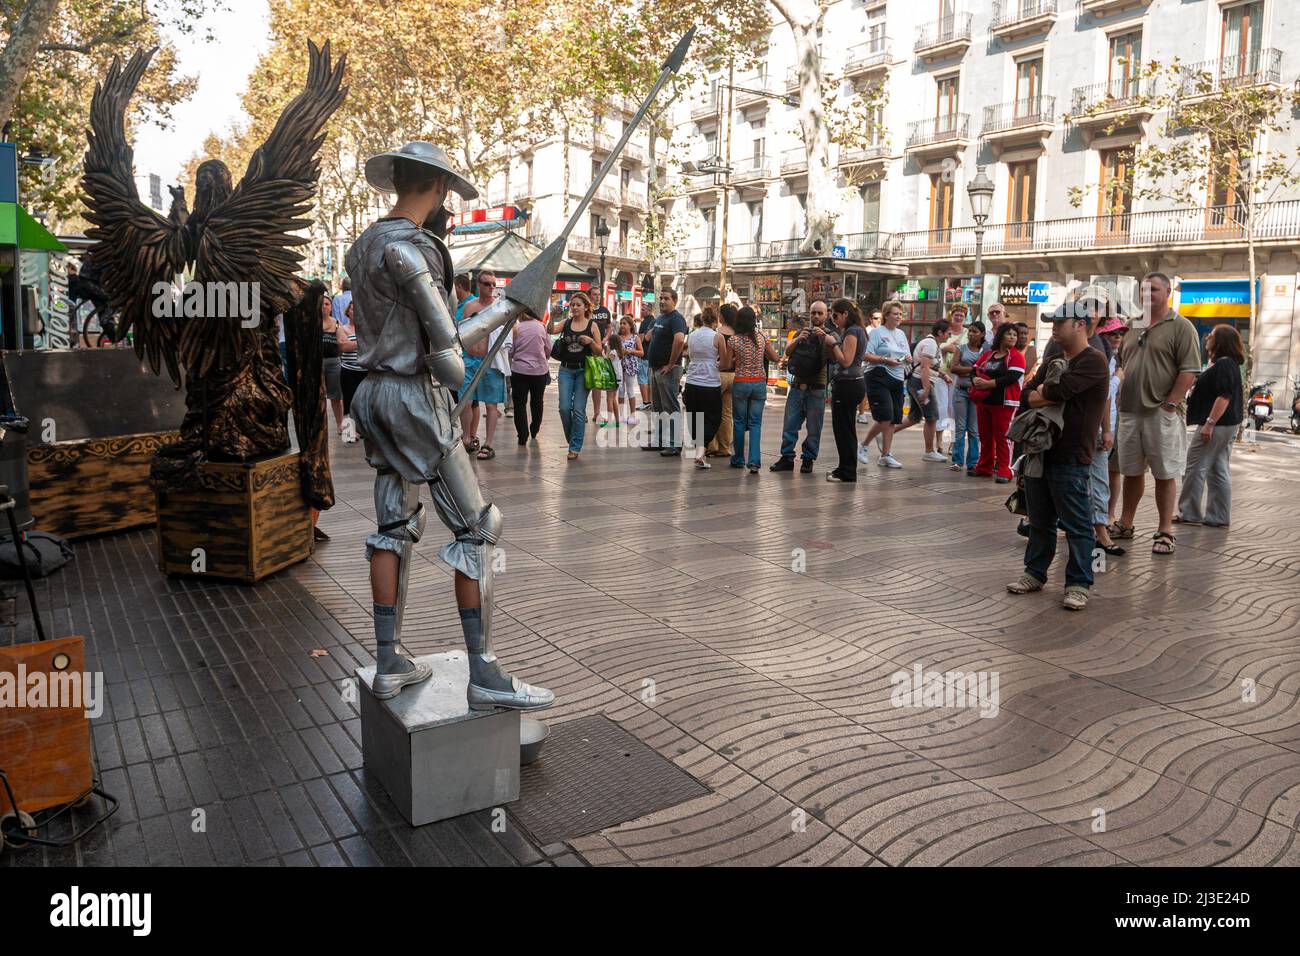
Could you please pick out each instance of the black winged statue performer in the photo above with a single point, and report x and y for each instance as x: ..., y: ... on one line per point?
x: 238, y: 242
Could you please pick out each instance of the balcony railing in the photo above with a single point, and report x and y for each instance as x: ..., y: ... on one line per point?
x: 947, y: 30
x: 710, y: 107
x: 867, y: 56
x: 940, y: 129
x: 1214, y: 76
x: 1033, y: 111
x: 867, y: 245
x: 699, y: 258
x: 1156, y: 229
x: 1119, y: 94
x: 1011, y: 12
x: 864, y: 154
x: 751, y: 168
x: 746, y: 252
x: 634, y: 199
x: 607, y: 194
x: 754, y: 87
x: 794, y: 161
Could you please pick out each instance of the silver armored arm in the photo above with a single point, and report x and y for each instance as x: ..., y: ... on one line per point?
x: 482, y: 324
x: 410, y: 272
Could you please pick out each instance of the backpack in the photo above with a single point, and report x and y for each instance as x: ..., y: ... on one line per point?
x: 806, y: 363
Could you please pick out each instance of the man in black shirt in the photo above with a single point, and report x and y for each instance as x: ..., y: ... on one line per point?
x: 643, y: 377
x: 1061, y: 495
x: 667, y: 342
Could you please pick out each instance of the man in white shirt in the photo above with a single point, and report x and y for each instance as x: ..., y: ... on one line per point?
x: 922, y: 394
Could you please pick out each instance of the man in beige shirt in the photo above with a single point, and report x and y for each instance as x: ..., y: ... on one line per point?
x: 1160, y: 364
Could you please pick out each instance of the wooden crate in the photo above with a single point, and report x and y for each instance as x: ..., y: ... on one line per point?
x: 249, y: 518
x: 45, y: 749
x: 95, y: 485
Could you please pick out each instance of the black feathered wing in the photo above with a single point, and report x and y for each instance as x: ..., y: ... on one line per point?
x: 135, y: 247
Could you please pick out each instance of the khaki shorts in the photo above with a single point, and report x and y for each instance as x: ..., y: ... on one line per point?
x: 1156, y: 440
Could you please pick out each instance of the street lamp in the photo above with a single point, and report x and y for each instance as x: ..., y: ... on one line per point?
x: 980, y: 191
x: 602, y: 237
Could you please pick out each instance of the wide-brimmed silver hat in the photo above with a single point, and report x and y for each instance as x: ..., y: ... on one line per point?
x: 379, y: 169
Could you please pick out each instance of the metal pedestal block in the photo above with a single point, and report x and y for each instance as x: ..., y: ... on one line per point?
x: 435, y: 756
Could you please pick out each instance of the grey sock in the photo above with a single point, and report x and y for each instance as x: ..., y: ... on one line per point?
x: 387, y: 660
x: 482, y: 672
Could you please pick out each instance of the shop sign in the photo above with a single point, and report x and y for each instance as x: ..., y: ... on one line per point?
x: 1024, y: 293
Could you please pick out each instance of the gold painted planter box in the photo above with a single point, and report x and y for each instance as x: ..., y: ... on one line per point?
x: 247, y: 521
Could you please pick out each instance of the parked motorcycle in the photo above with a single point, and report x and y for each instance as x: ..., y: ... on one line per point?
x: 1295, y: 406
x: 1260, y: 404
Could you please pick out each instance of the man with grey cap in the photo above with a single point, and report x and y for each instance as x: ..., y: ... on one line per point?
x: 411, y: 349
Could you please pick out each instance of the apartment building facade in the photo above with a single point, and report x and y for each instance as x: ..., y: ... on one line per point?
x: 977, y: 83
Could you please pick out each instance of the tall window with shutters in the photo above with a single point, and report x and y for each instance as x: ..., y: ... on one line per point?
x: 1020, y: 202
x: 1115, y: 194
x: 1124, y: 65
x: 941, y: 204
x: 1241, y: 39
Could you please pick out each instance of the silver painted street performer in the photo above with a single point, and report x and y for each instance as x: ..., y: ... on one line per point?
x: 411, y: 349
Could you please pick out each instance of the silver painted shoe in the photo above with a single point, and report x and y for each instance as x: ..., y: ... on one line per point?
x: 387, y: 686
x: 521, y: 697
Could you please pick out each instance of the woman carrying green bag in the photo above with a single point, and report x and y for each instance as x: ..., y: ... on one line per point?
x: 579, y: 342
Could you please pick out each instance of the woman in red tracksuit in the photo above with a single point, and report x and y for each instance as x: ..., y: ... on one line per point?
x: 995, y: 385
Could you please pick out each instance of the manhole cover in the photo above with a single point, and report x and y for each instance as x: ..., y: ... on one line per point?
x: 593, y: 774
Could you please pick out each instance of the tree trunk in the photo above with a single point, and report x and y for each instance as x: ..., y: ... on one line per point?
x: 20, y: 52
x: 804, y: 17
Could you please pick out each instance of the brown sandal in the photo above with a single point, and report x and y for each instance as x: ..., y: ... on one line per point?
x: 1163, y: 543
x: 471, y: 446
x: 485, y: 453
x: 1120, y: 531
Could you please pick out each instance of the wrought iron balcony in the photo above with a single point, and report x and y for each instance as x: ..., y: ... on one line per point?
x: 634, y: 198
x: 868, y: 57
x: 751, y: 168
x: 697, y: 259
x: 948, y: 128
x: 1186, y: 227
x: 1017, y: 18
x: 1101, y: 8
x: 943, y: 37
x: 709, y: 107
x: 1035, y: 111
x: 866, y: 246
x: 861, y: 155
x: 794, y: 161
x: 754, y: 87
x: 1107, y: 99
x: 1214, y: 76
x: 607, y: 194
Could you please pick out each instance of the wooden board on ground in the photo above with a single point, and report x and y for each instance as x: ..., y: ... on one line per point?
x: 93, y: 486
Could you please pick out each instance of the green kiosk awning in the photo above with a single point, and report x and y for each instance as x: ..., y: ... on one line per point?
x: 18, y: 228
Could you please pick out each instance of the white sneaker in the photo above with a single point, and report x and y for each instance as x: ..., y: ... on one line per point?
x: 863, y: 419
x: 864, y: 454
x: 348, y: 431
x: 934, y: 456
x: 643, y: 406
x: 889, y: 461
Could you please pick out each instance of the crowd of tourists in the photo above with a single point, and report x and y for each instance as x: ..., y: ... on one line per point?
x: 1072, y: 432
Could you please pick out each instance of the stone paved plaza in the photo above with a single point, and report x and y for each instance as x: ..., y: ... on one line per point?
x: 747, y: 628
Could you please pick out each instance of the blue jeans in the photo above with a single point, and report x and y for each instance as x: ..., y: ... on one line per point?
x: 1061, y: 495
x: 966, y: 433
x: 747, y: 401
x: 800, y: 407
x: 573, y: 405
